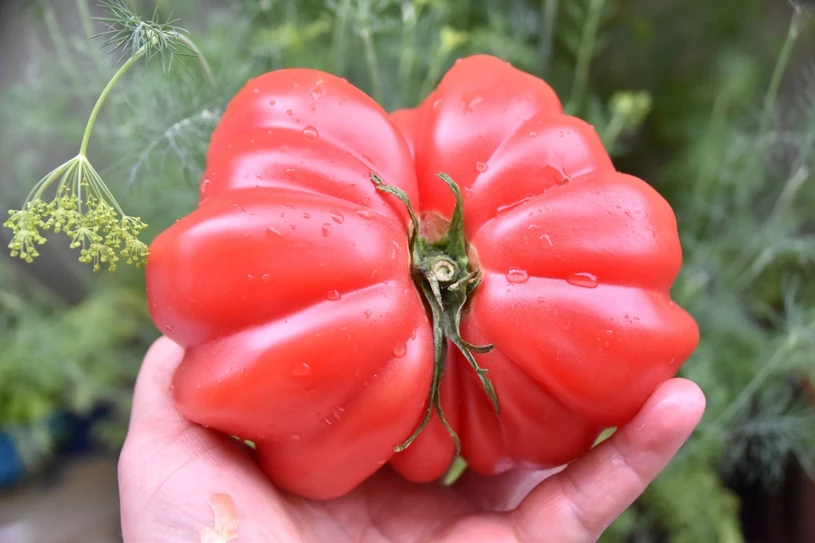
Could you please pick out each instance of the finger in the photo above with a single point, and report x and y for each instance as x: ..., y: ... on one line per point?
x: 179, y: 478
x: 586, y: 497
x: 500, y: 493
x: 152, y: 402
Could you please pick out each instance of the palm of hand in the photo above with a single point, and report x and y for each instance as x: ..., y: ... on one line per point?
x: 181, y: 482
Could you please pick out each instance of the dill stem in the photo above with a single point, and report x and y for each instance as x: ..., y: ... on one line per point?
x: 189, y: 44
x: 613, y: 131
x: 779, y: 70
x: 101, y: 100
x: 585, y: 54
x: 340, y: 28
x: 547, y: 40
x: 87, y: 25
x: 61, y: 49
x: 373, y: 63
x: 407, y: 57
x: 752, y: 387
x: 433, y: 72
x: 708, y: 170
x: 85, y: 16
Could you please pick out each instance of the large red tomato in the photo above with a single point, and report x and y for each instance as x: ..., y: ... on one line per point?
x: 319, y: 323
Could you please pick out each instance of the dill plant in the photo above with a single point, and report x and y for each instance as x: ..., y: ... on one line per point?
x: 708, y: 123
x: 83, y: 207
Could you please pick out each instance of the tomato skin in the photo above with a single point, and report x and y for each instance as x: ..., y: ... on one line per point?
x: 290, y: 289
x: 577, y: 261
x: 290, y: 285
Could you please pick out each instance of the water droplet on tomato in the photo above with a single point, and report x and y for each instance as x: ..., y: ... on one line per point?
x: 481, y: 167
x: 541, y: 299
x: 337, y: 412
x: 532, y: 134
x: 400, y: 350
x: 273, y: 233
x: 306, y: 215
x: 368, y: 313
x: 272, y: 102
x: 289, y: 112
x: 513, y: 205
x: 547, y: 239
x: 337, y: 217
x: 326, y: 229
x: 585, y: 280
x: 204, y: 186
x: 169, y: 328
x: 437, y: 103
x: 266, y: 278
x: 333, y: 295
x: 517, y: 276
x: 293, y: 226
x: 301, y: 369
x: 310, y: 132
x: 295, y: 437
x: 364, y: 213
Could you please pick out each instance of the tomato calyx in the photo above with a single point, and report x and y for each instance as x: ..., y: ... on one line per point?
x: 442, y: 273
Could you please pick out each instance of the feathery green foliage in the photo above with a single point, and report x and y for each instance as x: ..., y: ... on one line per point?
x: 722, y: 124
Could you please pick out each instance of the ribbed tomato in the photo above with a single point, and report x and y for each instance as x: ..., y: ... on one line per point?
x: 321, y: 324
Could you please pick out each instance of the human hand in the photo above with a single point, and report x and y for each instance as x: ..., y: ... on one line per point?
x: 181, y: 482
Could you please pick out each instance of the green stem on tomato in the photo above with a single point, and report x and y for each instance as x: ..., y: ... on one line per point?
x: 585, y: 53
x: 455, y: 471
x: 441, y: 270
x: 780, y: 68
x: 83, y: 149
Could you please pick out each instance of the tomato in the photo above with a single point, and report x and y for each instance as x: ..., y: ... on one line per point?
x: 330, y: 324
x: 577, y: 261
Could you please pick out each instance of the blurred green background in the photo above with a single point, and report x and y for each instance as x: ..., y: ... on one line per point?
x: 681, y: 91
